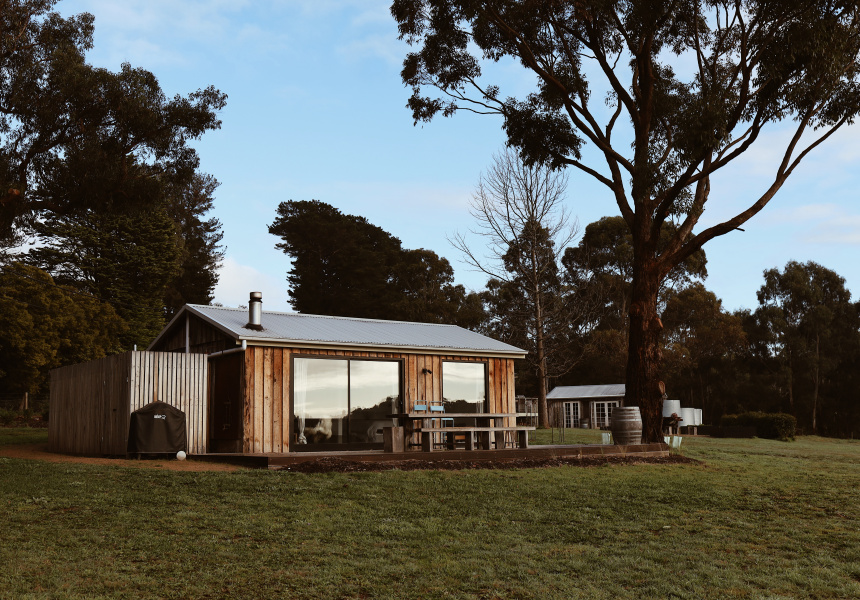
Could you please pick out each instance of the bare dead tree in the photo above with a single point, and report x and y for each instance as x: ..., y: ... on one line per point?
x: 520, y: 213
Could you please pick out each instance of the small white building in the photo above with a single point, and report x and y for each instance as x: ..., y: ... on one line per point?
x: 588, y: 406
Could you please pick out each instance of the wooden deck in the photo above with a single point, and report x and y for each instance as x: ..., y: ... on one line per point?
x: 274, y: 461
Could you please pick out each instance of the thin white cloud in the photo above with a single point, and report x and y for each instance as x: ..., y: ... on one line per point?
x: 384, y: 46
x: 236, y: 281
x: 314, y: 8
x: 841, y: 230
x: 376, y: 14
x: 806, y: 213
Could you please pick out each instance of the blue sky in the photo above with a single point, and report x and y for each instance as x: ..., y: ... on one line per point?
x: 316, y: 110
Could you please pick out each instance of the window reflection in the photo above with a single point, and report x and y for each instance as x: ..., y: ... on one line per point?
x: 374, y: 389
x: 320, y: 400
x: 338, y: 401
x: 464, y: 387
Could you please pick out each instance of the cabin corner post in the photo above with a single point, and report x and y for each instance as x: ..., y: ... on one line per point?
x: 247, y: 401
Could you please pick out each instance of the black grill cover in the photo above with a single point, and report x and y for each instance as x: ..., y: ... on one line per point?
x: 157, y: 428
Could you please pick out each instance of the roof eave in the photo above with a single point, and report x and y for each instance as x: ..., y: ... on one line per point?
x: 311, y: 344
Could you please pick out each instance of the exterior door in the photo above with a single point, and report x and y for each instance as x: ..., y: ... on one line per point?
x: 225, y: 402
x: 602, y: 413
x: 571, y: 415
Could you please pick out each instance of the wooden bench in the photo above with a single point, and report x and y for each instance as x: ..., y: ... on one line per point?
x: 484, y: 438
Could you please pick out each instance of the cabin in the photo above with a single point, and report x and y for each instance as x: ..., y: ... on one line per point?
x: 287, y: 382
x: 587, y: 406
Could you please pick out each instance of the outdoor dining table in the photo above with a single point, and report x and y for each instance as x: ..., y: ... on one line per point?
x: 485, y: 424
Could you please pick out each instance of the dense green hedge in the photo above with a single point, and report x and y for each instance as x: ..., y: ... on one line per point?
x: 773, y: 426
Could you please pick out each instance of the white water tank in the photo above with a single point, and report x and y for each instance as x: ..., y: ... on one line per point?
x: 671, y: 406
x: 699, y: 417
x: 688, y: 416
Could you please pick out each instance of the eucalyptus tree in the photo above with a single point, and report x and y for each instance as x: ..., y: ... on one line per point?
x: 754, y: 64
x: 808, y: 311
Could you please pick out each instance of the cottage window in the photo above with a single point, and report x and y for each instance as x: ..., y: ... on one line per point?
x: 464, y: 387
x: 338, y: 401
x: 603, y: 413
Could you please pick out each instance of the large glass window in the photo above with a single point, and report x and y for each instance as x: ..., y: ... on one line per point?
x: 337, y: 401
x: 464, y: 387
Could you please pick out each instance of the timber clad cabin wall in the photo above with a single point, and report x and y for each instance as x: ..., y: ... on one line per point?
x: 91, y: 403
x: 268, y: 383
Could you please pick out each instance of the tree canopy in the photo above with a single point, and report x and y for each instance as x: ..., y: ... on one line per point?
x: 44, y: 326
x: 345, y: 266
x: 97, y: 166
x: 667, y: 131
x: 812, y: 326
x: 73, y: 136
x: 125, y: 260
x: 198, y: 240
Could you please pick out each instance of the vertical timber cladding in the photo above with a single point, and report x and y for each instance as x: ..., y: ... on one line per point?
x: 176, y: 379
x: 267, y: 389
x: 266, y: 404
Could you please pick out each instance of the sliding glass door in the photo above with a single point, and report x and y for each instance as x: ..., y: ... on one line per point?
x: 343, y: 401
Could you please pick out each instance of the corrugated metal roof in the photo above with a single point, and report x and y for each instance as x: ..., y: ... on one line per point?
x: 344, y: 331
x: 586, y: 391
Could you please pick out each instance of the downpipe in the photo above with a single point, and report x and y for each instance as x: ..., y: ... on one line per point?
x: 242, y: 348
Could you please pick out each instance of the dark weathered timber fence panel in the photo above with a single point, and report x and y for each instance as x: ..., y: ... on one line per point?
x: 91, y: 403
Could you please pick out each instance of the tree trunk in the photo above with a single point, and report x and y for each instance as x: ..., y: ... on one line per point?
x: 540, y: 350
x: 791, y: 387
x: 543, y: 408
x: 816, y: 375
x: 644, y: 355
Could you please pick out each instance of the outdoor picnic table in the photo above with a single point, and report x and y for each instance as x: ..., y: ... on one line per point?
x: 486, y: 424
x: 426, y: 415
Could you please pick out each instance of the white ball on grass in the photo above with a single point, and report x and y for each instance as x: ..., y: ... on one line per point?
x: 180, y: 455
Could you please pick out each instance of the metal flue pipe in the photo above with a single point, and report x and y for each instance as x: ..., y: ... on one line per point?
x: 255, y: 311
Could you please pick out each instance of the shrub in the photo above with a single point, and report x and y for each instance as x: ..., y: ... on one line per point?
x: 772, y: 426
x: 6, y: 416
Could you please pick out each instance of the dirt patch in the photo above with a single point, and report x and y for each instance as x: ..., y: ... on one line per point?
x: 337, y: 465
x: 40, y: 452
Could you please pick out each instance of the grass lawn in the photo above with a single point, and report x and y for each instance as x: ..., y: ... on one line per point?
x: 22, y: 435
x: 756, y: 519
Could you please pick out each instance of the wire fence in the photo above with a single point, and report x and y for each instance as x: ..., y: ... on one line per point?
x: 17, y: 402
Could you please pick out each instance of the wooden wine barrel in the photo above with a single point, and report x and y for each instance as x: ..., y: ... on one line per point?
x: 626, y: 425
